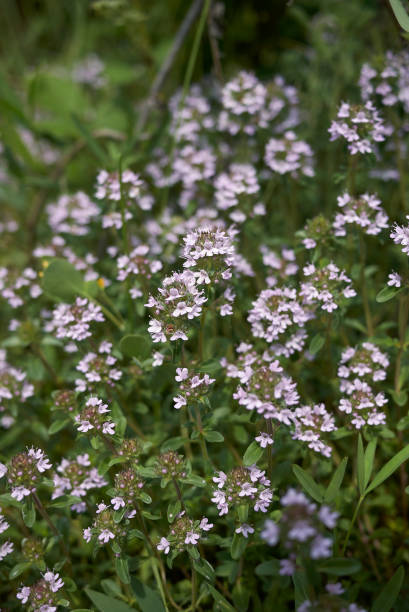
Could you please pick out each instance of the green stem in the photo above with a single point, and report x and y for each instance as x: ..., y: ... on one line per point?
x: 202, y: 440
x: 194, y: 587
x: 194, y: 52
x: 200, y: 349
x: 269, y: 424
x: 124, y: 226
x: 361, y: 499
x: 365, y: 300
x: 179, y: 494
x: 106, y: 312
x: 39, y: 353
x: 51, y: 525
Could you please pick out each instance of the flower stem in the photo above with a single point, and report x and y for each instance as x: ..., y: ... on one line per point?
x: 179, y: 494
x: 51, y: 525
x: 365, y: 300
x: 194, y: 587
x: 361, y: 499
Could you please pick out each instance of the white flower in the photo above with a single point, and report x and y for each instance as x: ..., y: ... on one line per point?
x: 117, y: 502
x: 105, y: 536
x: 24, y: 594
x: 164, y: 545
x: 192, y: 538
x: 87, y: 534
x: 245, y: 529
x: 6, y: 549
x: 205, y: 525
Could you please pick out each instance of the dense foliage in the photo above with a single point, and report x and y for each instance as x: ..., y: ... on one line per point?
x: 204, y: 366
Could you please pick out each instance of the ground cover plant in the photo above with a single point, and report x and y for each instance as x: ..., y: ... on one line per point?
x: 204, y: 367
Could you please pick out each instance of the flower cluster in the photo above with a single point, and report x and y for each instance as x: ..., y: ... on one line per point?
x: 41, y: 596
x: 249, y: 105
x: 14, y: 389
x: 359, y: 368
x: 104, y: 528
x: 276, y: 312
x: 178, y: 299
x: 299, y: 530
x: 400, y: 235
x: 98, y: 368
x: 211, y: 252
x: 7, y: 547
x: 171, y: 465
x: 72, y: 321
x: 317, y: 232
x: 242, y: 486
x: 192, y: 387
x: 18, y: 288
x: 281, y: 266
x: 310, y: 422
x: 76, y: 477
x: 72, y: 214
x: 289, y: 155
x: 361, y: 126
x: 184, y: 532
x: 24, y: 472
x: 326, y: 287
x: 193, y: 118
x: 127, y: 490
x: 264, y: 387
x: 364, y: 211
x: 363, y: 404
x: 94, y: 417
x: 194, y: 165
x: 388, y: 83
x: 366, y: 362
x: 234, y: 189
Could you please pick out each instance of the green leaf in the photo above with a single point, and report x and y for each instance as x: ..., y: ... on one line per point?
x: 386, y: 294
x: 389, y: 593
x: 300, y: 587
x: 195, y: 480
x: 204, y: 568
x: 61, y: 280
x: 219, y: 599
x: 58, y: 425
x: 92, y: 143
x: 308, y: 483
x: 7, y: 500
x: 400, y: 397
x: 19, y: 569
x: 135, y: 345
x: 339, y: 566
x: 122, y: 569
x: 213, y: 436
x: 316, y: 344
x: 336, y: 481
x: 64, y: 501
x: 369, y: 459
x: 173, y: 509
x: 238, y: 546
x: 172, y: 444
x: 243, y: 512
x: 148, y: 599
x: 253, y: 453
x: 104, y: 603
x: 29, y: 514
x: 360, y: 465
x: 400, y: 14
x: 389, y: 468
x: 268, y: 568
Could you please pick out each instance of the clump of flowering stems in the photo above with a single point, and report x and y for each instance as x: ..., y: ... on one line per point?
x: 264, y: 348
